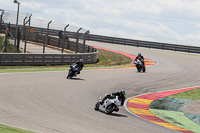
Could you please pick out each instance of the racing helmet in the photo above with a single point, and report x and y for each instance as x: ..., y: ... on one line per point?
x: 139, y: 54
x: 123, y: 92
x: 81, y: 60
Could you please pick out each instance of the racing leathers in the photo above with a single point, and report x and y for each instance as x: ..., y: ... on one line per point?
x: 139, y: 57
x: 113, y: 95
x: 80, y: 65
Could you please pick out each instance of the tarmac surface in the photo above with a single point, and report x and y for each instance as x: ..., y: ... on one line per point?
x: 48, y: 102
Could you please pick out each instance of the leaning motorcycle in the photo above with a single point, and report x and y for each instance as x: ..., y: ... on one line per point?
x: 108, y: 106
x: 140, y: 65
x: 73, y: 71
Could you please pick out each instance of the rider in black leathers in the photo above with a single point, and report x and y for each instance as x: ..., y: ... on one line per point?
x: 80, y: 64
x: 121, y: 96
x: 139, y: 57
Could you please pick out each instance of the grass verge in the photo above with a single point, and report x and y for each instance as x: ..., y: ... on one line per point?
x: 8, y: 129
x: 192, y: 94
x: 175, y: 118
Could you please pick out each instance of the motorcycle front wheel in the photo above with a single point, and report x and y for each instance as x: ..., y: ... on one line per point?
x: 69, y: 75
x: 144, y: 69
x: 138, y: 68
x: 110, y: 109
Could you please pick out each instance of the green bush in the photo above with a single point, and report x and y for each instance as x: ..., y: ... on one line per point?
x: 10, y: 47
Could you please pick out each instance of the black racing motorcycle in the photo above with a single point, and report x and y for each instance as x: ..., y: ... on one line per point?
x: 140, y: 65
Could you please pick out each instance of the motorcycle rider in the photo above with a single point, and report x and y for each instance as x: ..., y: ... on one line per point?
x: 61, y: 35
x: 139, y: 57
x: 121, y: 96
x: 80, y: 64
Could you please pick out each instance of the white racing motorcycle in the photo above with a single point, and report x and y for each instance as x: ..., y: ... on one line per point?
x: 108, y: 106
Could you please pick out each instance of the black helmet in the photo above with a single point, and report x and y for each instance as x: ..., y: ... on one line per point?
x: 123, y: 92
x: 139, y: 54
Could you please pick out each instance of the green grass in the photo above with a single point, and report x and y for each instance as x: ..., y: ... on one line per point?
x: 108, y: 58
x: 10, y: 47
x: 7, y: 129
x: 192, y: 94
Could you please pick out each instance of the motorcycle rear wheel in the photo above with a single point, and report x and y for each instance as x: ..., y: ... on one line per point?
x: 96, y: 107
x: 69, y: 75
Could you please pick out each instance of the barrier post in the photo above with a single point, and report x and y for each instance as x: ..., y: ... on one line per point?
x: 18, y: 39
x: 1, y: 19
x: 63, y: 39
x: 23, y: 32
x: 44, y: 44
x: 27, y: 36
x: 6, y: 37
x: 84, y: 39
x: 16, y: 31
x: 77, y: 38
x: 47, y: 35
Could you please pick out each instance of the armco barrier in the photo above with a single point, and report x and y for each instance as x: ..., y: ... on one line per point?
x: 87, y: 53
x: 146, y: 44
x: 7, y: 59
x: 131, y: 42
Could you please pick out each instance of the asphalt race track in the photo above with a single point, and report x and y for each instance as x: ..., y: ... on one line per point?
x: 48, y: 102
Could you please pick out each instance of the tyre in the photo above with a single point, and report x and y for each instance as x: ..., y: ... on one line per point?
x: 110, y: 108
x: 117, y: 109
x: 69, y: 75
x: 139, y: 68
x: 96, y: 107
x: 144, y: 69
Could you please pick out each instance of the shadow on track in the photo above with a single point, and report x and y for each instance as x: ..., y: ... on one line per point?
x: 113, y: 114
x: 117, y: 115
x: 139, y: 72
x: 75, y: 78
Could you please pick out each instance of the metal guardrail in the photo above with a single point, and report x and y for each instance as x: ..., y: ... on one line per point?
x: 123, y: 41
x: 145, y: 44
x: 90, y: 55
x: 7, y: 59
